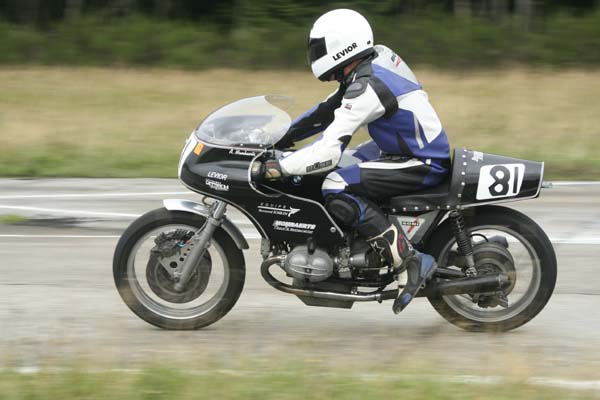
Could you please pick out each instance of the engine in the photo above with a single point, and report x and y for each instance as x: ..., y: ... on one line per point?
x: 317, y: 266
x: 303, y: 265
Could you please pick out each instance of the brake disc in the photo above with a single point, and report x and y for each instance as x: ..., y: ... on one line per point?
x: 166, y: 258
x: 162, y: 282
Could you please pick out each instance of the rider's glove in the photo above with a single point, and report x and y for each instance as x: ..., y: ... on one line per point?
x: 271, y: 170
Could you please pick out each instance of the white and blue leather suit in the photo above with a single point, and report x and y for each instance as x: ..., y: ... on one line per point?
x: 409, y: 148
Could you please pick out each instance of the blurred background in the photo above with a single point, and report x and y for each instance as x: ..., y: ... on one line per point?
x: 99, y: 87
x: 112, y: 88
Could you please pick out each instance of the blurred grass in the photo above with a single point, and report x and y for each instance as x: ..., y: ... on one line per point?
x: 11, y: 219
x: 100, y: 122
x: 295, y: 383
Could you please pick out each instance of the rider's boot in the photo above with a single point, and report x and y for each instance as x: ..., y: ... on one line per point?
x: 397, y: 250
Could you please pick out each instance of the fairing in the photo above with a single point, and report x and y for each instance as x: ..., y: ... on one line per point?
x: 277, y: 213
x: 255, y: 122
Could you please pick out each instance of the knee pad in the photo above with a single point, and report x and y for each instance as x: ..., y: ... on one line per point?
x: 344, y: 209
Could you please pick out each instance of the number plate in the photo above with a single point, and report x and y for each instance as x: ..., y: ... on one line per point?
x: 500, y: 180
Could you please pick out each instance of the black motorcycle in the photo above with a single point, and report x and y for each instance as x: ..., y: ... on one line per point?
x: 182, y: 266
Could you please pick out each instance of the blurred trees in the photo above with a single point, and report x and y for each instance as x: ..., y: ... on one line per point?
x: 227, y: 12
x: 272, y: 33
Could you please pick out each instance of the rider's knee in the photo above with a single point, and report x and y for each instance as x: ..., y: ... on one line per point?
x: 343, y: 208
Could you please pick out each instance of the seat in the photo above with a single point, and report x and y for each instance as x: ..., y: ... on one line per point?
x: 443, y: 196
x: 433, y: 198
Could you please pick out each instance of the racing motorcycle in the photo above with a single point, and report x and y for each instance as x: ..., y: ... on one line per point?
x: 182, y: 266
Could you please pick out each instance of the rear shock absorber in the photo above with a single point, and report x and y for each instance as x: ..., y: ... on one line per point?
x: 463, y: 240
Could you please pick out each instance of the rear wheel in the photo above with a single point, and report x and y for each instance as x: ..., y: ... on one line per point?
x: 147, y: 257
x: 506, y: 241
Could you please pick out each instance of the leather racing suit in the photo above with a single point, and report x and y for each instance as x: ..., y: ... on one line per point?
x: 409, y: 148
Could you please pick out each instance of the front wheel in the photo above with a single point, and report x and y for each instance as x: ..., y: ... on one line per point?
x: 145, y: 265
x: 506, y: 241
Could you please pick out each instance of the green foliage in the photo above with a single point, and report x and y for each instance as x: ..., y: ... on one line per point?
x: 12, y: 219
x: 293, y: 383
x: 275, y: 37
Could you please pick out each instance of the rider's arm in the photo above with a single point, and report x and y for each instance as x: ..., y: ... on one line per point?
x: 359, y: 106
x: 313, y: 121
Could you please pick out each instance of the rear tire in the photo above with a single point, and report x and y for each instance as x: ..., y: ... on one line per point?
x: 526, y: 228
x: 163, y: 217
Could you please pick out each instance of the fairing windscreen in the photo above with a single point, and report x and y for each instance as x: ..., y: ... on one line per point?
x: 253, y: 122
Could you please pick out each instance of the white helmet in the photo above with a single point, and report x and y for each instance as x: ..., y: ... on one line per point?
x: 336, y: 39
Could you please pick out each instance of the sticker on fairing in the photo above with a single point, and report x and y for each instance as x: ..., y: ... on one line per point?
x: 498, y: 181
x: 277, y: 209
x: 291, y: 226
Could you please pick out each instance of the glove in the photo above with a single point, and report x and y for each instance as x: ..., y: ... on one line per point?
x: 271, y: 170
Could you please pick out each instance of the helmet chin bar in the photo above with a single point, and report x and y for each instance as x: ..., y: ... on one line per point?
x: 337, y: 75
x: 338, y: 72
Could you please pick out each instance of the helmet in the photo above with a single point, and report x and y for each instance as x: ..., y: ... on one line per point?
x: 336, y: 39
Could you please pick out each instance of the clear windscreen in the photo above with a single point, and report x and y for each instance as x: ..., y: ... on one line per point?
x: 252, y: 122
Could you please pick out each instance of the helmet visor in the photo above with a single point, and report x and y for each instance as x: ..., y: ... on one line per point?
x: 316, y: 49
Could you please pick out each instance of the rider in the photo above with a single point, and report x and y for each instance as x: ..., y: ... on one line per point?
x: 409, y: 150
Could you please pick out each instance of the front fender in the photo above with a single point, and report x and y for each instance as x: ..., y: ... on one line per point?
x: 200, y: 209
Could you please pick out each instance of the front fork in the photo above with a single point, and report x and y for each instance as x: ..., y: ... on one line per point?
x: 200, y: 243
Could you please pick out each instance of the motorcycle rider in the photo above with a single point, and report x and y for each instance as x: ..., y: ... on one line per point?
x: 409, y: 150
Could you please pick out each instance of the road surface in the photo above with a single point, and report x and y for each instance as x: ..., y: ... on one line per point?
x: 58, y: 301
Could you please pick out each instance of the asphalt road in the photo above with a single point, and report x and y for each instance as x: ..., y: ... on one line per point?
x: 58, y: 301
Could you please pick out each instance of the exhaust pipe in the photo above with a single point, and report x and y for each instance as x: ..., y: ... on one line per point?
x: 284, y: 287
x: 470, y: 285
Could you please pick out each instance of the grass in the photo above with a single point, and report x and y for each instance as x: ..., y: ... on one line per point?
x: 426, y: 35
x: 12, y: 219
x: 295, y: 383
x: 100, y: 122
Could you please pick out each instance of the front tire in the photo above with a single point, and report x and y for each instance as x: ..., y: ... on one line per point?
x: 538, y: 247
x: 170, y: 315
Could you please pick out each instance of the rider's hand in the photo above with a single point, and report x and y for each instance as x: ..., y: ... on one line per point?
x: 271, y: 170
x: 268, y: 170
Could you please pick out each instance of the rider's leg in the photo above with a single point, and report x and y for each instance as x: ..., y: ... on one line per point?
x: 355, y: 210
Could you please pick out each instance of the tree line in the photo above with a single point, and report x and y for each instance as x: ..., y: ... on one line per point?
x: 455, y: 34
x: 228, y: 13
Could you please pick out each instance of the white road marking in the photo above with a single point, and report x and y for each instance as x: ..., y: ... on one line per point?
x: 581, y: 240
x: 90, y: 213
x: 575, y: 183
x: 577, y: 240
x: 61, y: 236
x: 249, y: 234
x: 89, y: 195
x: 69, y: 212
x: 253, y: 235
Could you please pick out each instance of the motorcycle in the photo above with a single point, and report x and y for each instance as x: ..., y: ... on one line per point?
x: 182, y: 266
